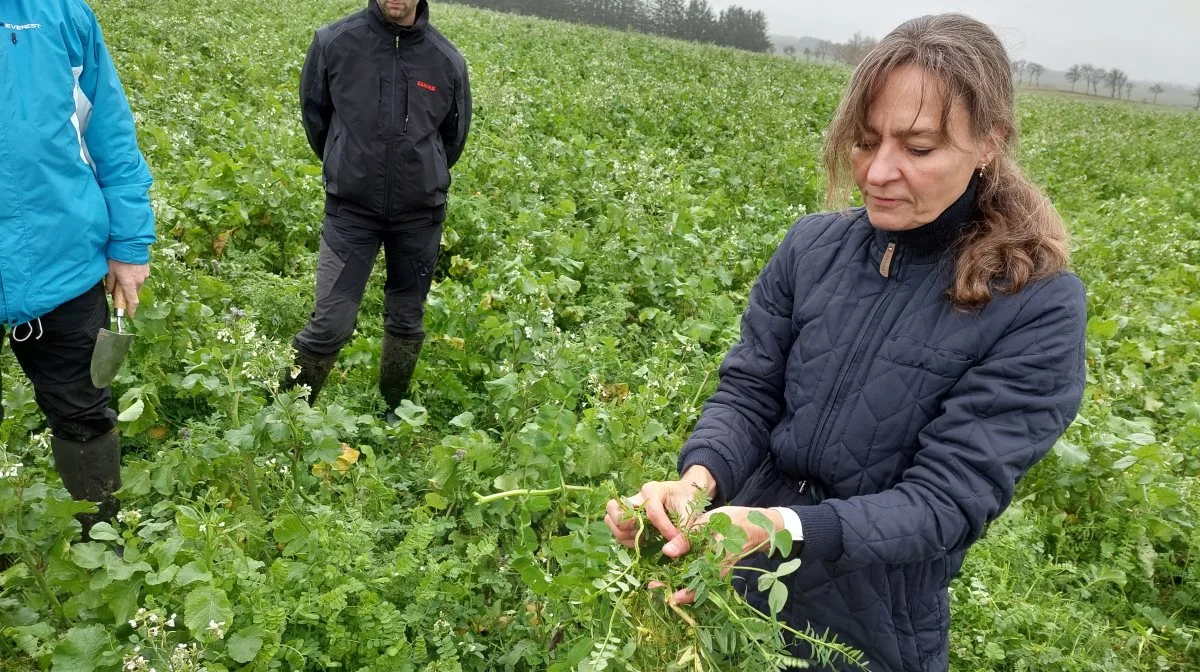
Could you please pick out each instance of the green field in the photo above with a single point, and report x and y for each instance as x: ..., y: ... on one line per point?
x: 617, y: 198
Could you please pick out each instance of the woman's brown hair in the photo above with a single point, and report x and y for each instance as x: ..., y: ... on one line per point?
x: 1021, y: 237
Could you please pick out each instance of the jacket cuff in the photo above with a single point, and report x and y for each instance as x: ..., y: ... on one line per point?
x: 128, y: 253
x: 711, y: 460
x: 822, y: 532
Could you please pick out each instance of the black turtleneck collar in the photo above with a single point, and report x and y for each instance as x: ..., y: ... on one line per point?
x: 930, y: 241
x: 406, y: 34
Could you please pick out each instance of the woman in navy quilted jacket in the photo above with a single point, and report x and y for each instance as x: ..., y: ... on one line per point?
x: 901, y: 365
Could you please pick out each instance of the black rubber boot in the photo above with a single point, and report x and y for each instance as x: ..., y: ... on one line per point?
x: 91, y: 470
x: 397, y: 361
x: 313, y: 372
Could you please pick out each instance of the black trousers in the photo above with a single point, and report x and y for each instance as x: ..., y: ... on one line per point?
x: 55, y: 352
x: 349, y: 246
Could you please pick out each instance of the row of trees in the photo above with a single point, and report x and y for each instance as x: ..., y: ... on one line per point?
x: 1022, y: 68
x: 1115, y: 80
x: 851, y: 52
x: 693, y: 20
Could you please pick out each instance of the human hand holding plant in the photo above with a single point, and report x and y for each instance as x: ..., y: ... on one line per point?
x: 660, y: 499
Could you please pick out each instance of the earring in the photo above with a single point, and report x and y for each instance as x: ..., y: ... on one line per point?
x: 982, y: 168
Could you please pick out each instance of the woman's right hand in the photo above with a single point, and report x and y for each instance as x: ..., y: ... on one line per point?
x: 660, y: 498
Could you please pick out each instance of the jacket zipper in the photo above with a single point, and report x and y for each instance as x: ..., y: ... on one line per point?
x: 885, y: 265
x: 825, y: 426
x: 390, y: 160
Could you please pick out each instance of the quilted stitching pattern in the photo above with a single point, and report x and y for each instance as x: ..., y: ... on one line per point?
x: 937, y: 416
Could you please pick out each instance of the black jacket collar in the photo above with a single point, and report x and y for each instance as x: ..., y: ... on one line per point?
x: 406, y: 34
x: 930, y: 241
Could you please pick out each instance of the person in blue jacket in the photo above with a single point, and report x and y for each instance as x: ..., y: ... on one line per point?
x: 901, y: 365
x: 75, y: 223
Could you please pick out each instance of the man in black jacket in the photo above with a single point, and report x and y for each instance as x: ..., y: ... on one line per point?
x: 387, y: 106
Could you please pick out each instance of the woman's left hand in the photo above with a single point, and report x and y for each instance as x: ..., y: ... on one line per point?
x: 756, y: 539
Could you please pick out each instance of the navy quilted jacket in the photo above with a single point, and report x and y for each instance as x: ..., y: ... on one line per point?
x: 895, y: 425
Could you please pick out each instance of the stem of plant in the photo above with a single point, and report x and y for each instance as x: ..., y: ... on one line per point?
x: 45, y: 587
x: 481, y: 499
x: 252, y: 482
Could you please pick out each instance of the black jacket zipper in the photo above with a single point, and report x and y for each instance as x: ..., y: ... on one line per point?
x: 390, y: 159
x: 832, y: 410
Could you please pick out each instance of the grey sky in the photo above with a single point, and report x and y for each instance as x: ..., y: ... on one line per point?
x: 1152, y: 40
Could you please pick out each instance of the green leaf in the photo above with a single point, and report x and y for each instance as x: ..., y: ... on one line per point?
x: 788, y: 567
x: 413, y: 415
x: 89, y: 555
x: 1141, y: 439
x: 133, y: 412
x: 104, y: 531
x: 503, y: 388
x: 1070, y: 454
x: 191, y: 573
x: 241, y: 438
x: 580, y: 651
x: 509, y: 481
x: 120, y: 570
x: 463, y: 420
x: 244, y: 645
x: 122, y: 598
x: 594, y: 460
x: 1102, y: 329
x: 783, y: 541
x: 765, y: 581
x: 84, y: 649
x: 777, y: 598
x: 653, y: 430
x: 204, y: 605
x: 1125, y: 462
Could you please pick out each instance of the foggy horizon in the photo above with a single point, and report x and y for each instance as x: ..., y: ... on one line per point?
x: 1055, y: 33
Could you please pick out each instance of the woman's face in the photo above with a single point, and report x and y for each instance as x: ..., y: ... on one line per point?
x: 906, y: 167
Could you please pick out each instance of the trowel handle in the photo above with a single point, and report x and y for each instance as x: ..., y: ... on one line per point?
x: 119, y: 301
x: 119, y: 304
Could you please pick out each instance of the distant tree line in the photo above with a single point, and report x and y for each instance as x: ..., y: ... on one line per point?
x: 1115, y: 80
x: 850, y: 52
x: 692, y: 20
x: 1094, y: 79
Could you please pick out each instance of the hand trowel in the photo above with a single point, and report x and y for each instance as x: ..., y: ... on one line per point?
x: 111, y: 347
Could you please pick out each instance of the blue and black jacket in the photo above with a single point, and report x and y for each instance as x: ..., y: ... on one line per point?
x: 74, y: 188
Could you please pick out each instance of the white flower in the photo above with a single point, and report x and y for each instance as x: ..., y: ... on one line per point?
x: 131, y: 516
x: 171, y: 623
x: 132, y: 623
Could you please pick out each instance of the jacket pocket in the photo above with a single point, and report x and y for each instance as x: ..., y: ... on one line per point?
x: 443, y: 171
x: 430, y: 97
x: 911, y: 353
x: 331, y: 159
x: 930, y: 616
x: 420, y: 183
